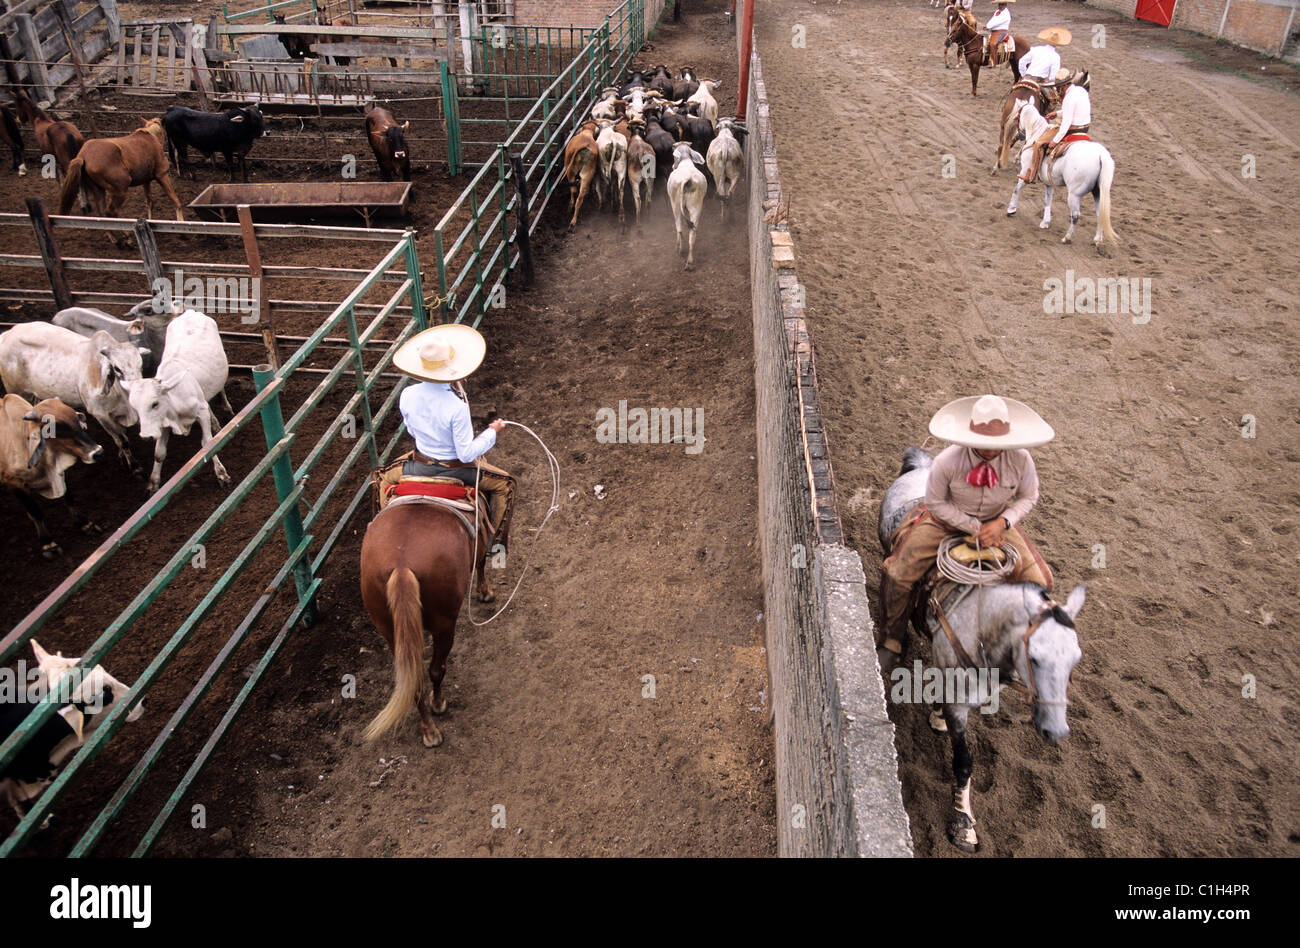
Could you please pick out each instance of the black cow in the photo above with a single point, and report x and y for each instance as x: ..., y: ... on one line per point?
x: 635, y: 80
x: 661, y: 141
x: 231, y: 132
x: 685, y: 84
x: 661, y: 81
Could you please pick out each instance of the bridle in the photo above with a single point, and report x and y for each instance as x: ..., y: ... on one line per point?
x: 1031, y: 692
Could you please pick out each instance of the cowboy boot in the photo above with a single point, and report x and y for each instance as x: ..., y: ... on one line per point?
x: 891, y: 633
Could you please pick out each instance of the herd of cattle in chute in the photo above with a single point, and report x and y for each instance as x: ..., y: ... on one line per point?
x: 656, y: 125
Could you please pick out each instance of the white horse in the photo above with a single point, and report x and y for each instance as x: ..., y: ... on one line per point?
x: 1012, y: 629
x: 1086, y: 167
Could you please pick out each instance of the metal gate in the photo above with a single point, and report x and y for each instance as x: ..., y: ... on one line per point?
x: 1156, y: 11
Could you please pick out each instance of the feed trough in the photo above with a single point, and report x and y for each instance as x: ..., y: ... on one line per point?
x: 311, y: 200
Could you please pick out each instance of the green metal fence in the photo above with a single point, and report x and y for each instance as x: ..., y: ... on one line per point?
x: 475, y: 240
x: 311, y: 530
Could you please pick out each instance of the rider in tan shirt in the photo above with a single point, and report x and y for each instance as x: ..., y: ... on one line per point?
x: 982, y: 485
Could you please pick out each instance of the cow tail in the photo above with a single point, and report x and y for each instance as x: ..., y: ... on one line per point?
x: 1103, y: 200
x: 71, y: 184
x: 408, y: 650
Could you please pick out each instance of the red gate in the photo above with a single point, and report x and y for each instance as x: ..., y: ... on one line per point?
x: 1155, y: 11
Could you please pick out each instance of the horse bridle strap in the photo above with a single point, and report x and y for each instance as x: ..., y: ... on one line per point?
x: 963, y: 656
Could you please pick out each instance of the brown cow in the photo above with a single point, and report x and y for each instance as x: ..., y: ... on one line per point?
x: 388, y: 142
x: 110, y: 166
x: 38, y: 443
x: 581, y: 157
x: 53, y: 137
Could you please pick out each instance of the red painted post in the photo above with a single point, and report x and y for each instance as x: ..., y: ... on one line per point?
x: 746, y: 47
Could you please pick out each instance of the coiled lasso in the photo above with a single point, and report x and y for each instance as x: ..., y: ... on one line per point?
x: 974, y: 575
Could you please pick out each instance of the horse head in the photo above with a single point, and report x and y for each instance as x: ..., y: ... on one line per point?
x: 1046, y: 660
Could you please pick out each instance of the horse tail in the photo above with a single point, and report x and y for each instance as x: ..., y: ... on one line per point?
x: 1103, y: 199
x: 915, y: 459
x: 408, y: 647
x: 71, y: 184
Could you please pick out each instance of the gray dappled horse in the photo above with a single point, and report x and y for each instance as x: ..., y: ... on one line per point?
x: 1012, y: 628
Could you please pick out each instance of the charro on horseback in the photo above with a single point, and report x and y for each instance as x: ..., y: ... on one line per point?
x: 981, y: 486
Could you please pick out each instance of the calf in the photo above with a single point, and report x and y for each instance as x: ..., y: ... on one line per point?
x: 611, y: 145
x: 685, y: 83
x: 726, y: 160
x: 609, y: 106
x: 91, y: 373
x: 661, y: 81
x: 581, y: 158
x: 686, y: 191
x: 640, y: 166
x: 89, y: 697
x: 147, y: 332
x: 388, y: 142
x: 38, y: 443
x: 193, y: 371
x: 703, y: 97
x: 696, y: 130
x: 231, y: 132
x: 660, y: 140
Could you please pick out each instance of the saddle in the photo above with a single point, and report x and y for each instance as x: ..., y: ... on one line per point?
x: 995, y: 54
x: 391, y: 486
x: 1067, y: 141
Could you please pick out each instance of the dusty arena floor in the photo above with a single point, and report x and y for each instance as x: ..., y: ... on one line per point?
x: 658, y: 576
x: 920, y: 289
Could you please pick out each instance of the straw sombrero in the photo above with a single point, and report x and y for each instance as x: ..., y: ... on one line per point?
x: 990, y: 422
x: 1056, y: 35
x: 441, y: 353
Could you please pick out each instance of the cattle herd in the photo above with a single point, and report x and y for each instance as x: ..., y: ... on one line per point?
x: 656, y: 125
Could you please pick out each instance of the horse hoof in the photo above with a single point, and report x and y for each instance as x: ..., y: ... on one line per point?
x: 1011, y: 212
x: 1065, y: 240
x: 433, y: 740
x: 439, y: 708
x: 963, y: 837
x: 938, y: 723
x: 1044, y: 225
x: 90, y: 528
x: 486, y: 595
x: 51, y: 551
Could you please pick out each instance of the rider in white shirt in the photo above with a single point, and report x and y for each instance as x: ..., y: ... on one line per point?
x: 1041, y: 62
x: 999, y: 26
x: 1075, y: 112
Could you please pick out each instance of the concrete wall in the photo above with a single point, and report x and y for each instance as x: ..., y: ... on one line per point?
x: 1256, y: 24
x: 837, y: 787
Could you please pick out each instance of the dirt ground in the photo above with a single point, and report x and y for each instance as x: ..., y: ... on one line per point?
x: 920, y: 289
x: 659, y: 576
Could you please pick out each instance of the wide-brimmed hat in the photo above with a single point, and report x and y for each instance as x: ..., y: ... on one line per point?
x: 991, y: 422
x: 441, y: 353
x: 1056, y: 35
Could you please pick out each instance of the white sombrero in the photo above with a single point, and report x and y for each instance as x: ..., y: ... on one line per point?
x: 990, y: 422
x: 441, y: 353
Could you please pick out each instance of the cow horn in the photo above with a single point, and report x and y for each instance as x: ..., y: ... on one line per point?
x: 35, y: 459
x: 238, y: 118
x: 31, y: 416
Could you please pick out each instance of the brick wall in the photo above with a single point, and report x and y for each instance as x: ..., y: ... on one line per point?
x: 1254, y: 24
x: 589, y: 13
x: 837, y: 786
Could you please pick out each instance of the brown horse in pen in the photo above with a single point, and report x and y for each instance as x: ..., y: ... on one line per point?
x: 108, y: 167
x: 53, y: 136
x: 965, y: 35
x: 416, y: 562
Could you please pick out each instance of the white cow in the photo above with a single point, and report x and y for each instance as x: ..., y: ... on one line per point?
x: 141, y: 326
x: 607, y: 107
x: 703, y: 97
x: 86, y: 700
x: 726, y: 160
x: 193, y: 371
x: 687, y: 187
x: 92, y: 373
x: 612, y: 148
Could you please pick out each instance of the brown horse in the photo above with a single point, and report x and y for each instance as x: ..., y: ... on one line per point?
x: 416, y: 561
x: 53, y: 136
x: 108, y: 167
x: 963, y: 33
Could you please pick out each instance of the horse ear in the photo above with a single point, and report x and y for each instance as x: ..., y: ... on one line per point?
x: 1075, y: 602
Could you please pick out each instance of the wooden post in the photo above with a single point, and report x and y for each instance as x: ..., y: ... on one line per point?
x: 49, y: 252
x: 254, y: 255
x: 112, y: 21
x: 522, y: 237
x: 65, y: 27
x: 149, y: 252
x: 40, y: 73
